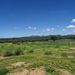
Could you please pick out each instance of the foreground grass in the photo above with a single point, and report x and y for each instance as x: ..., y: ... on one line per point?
x: 60, y: 56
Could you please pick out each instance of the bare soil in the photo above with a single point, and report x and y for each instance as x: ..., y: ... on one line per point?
x: 18, y: 64
x: 37, y: 71
x: 1, y: 57
x: 64, y: 72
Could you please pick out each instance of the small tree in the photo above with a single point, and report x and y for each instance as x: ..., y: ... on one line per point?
x: 54, y: 38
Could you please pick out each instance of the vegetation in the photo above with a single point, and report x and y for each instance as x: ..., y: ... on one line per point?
x: 7, y: 53
x: 48, y: 52
x: 18, y: 52
x: 3, y: 71
x: 38, y: 52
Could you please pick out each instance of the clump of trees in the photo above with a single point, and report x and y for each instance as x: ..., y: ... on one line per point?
x: 54, y: 38
x: 35, y: 38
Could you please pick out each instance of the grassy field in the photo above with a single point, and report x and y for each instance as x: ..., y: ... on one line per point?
x: 56, y: 58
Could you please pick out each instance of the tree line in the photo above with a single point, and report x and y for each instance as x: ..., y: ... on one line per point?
x: 36, y: 38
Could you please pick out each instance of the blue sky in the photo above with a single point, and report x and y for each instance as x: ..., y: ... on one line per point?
x: 20, y: 18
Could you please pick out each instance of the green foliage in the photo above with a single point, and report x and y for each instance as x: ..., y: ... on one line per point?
x: 36, y: 64
x: 72, y: 60
x: 57, y: 46
x: 7, y: 53
x: 2, y: 46
x: 30, y: 51
x: 3, y: 71
x: 53, y: 37
x: 18, y: 52
x: 48, y: 52
x: 74, y: 55
x: 49, y: 69
x: 64, y: 54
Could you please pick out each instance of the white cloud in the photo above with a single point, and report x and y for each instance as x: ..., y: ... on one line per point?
x: 74, y: 31
x: 46, y: 34
x: 30, y: 27
x: 58, y: 26
x: 71, y: 26
x: 63, y: 29
x: 16, y: 27
x: 34, y: 27
x: 47, y: 29
x: 73, y: 21
x: 70, y: 33
x: 52, y: 29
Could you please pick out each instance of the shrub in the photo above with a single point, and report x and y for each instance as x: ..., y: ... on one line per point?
x: 74, y: 55
x: 7, y: 53
x: 50, y: 69
x: 48, y: 52
x: 30, y: 51
x: 64, y: 54
x: 3, y: 71
x: 18, y: 52
x: 57, y: 46
x: 72, y: 60
x: 18, y: 43
x: 2, y: 46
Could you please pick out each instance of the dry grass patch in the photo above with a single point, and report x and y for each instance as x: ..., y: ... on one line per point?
x: 24, y: 72
x: 70, y: 56
x: 1, y: 57
x: 64, y: 72
x: 18, y: 64
x: 37, y: 71
x: 73, y: 48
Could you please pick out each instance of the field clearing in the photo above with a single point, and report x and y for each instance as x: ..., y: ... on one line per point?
x: 39, y: 58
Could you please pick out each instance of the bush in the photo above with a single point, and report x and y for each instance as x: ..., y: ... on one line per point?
x: 3, y: 71
x: 2, y: 46
x: 49, y: 70
x: 74, y: 55
x: 7, y: 53
x: 64, y: 54
x: 18, y: 52
x: 48, y: 52
x: 57, y: 46
x: 30, y: 51
x: 72, y: 60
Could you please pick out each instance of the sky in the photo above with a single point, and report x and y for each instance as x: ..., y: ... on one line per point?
x: 19, y: 18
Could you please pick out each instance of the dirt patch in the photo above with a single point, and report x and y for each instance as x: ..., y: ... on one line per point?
x: 73, y: 48
x: 24, y: 72
x: 64, y: 72
x: 70, y: 56
x: 18, y: 64
x: 1, y: 57
x: 37, y: 71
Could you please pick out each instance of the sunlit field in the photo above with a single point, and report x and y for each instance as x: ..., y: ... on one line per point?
x: 55, y: 58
